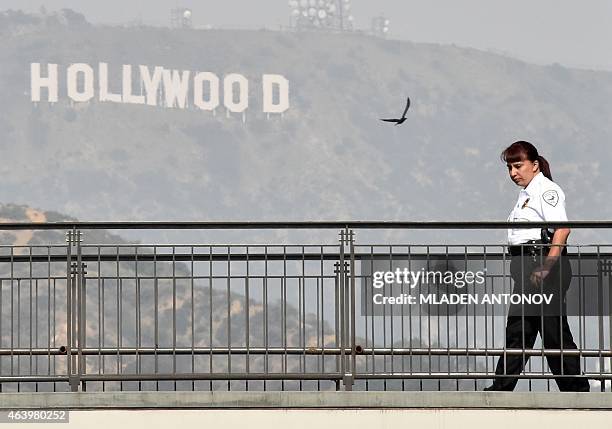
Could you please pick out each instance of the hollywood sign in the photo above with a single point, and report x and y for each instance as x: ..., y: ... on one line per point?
x: 159, y: 87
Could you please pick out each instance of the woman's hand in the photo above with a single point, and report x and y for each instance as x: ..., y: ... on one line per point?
x: 558, y: 242
x: 538, y: 275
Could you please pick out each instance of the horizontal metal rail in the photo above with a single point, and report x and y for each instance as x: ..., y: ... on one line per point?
x: 606, y: 224
x: 259, y: 257
x: 217, y: 377
x: 468, y: 376
x: 295, y: 351
x: 286, y: 376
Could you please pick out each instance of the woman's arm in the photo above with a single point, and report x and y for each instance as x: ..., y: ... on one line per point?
x: 556, y: 247
x: 559, y: 241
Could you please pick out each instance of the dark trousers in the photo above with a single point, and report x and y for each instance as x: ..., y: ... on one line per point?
x: 524, y: 323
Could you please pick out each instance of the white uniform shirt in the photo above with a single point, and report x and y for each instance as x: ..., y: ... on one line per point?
x: 541, y: 201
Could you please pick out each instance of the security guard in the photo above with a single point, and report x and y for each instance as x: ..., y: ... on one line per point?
x: 539, y: 264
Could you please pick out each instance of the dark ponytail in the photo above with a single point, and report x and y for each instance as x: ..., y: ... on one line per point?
x: 544, y: 167
x: 521, y: 150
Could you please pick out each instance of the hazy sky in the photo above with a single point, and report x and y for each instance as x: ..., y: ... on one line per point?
x: 571, y: 32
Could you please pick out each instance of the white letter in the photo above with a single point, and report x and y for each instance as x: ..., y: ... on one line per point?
x: 176, y: 87
x: 128, y: 97
x: 389, y: 277
x: 228, y: 93
x: 377, y: 282
x: 427, y: 299
x: 105, y: 94
x: 480, y: 276
x: 73, y: 82
x: 49, y: 82
x: 198, y: 91
x: 415, y: 279
x: 269, y: 80
x: 151, y: 84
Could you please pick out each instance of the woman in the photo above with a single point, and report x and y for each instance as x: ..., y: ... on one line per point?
x: 537, y: 269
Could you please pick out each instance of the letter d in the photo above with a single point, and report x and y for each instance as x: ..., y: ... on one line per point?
x: 269, y: 82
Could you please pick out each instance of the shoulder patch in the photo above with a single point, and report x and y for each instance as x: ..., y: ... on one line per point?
x: 551, y: 197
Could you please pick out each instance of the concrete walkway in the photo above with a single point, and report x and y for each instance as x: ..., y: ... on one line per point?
x: 307, y: 400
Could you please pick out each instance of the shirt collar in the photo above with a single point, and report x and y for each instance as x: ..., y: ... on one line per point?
x: 532, y: 188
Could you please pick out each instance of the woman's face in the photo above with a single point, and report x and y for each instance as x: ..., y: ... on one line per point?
x: 521, y: 172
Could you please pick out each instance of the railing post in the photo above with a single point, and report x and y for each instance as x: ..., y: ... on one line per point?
x: 338, y: 324
x: 75, y: 306
x: 347, y: 308
x: 82, y: 333
x: 351, y: 278
x: 604, y: 270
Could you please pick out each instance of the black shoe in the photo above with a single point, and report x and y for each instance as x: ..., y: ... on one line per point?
x: 491, y: 388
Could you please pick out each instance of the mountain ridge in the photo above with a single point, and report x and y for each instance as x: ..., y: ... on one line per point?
x: 327, y: 157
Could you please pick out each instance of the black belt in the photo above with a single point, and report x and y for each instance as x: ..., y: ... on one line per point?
x: 532, y: 248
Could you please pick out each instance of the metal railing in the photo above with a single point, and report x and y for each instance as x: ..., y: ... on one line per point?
x: 116, y: 316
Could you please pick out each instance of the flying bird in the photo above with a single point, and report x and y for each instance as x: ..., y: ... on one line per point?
x: 403, y: 118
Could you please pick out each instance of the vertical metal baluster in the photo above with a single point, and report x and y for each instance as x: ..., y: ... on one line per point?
x: 174, y: 315
x: 247, y: 318
x: 265, y: 314
x: 403, y: 332
x: 210, y: 314
x: 119, y: 294
x: 410, y: 345
x: 48, y: 372
x: 353, y: 335
x: 475, y: 326
x: 370, y: 342
x: 467, y: 332
x: 36, y: 358
x: 101, y: 317
x: 561, y: 300
x: 138, y: 317
x: 69, y: 308
x: 19, y: 384
x: 384, y: 324
x: 581, y: 308
x: 523, y: 256
x: 341, y: 307
x: 505, y: 282
x: 392, y: 320
x: 542, y: 321
x: 31, y: 298
x: 600, y: 323
x: 485, y: 319
x: 54, y: 332
x: 302, y: 318
x: 284, y: 316
x: 337, y: 334
x: 48, y: 311
x: 320, y: 320
x: 156, y: 315
x: 467, y: 335
x: 420, y: 321
x: 82, y: 284
x: 192, y: 318
x: 229, y: 319
x: 438, y: 336
x: 430, y: 357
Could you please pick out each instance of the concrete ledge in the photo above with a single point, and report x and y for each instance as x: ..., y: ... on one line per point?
x: 307, y: 400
